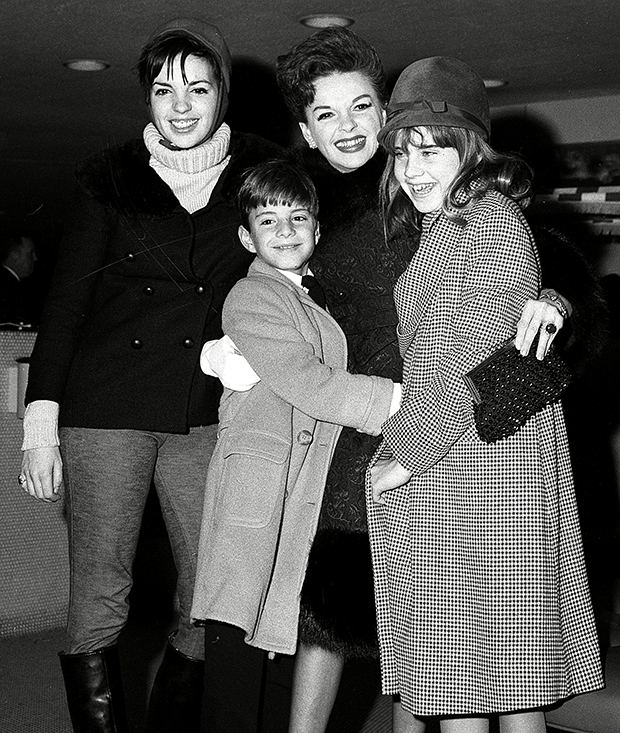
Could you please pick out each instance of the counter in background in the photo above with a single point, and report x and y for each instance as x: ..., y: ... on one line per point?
x: 34, y: 565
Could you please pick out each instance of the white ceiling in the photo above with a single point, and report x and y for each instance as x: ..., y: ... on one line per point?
x: 50, y: 116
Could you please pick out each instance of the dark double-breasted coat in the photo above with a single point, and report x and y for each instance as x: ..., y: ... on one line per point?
x: 138, y: 288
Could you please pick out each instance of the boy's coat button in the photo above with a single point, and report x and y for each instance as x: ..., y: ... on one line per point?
x: 304, y: 437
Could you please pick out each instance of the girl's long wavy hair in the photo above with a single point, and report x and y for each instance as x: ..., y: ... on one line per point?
x: 481, y: 169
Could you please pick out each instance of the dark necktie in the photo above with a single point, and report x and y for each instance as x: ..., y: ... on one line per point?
x: 315, y: 291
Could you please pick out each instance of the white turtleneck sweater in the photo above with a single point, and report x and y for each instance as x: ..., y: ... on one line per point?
x: 191, y: 174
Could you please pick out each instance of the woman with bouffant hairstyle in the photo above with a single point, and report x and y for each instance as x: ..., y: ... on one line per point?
x: 334, y: 86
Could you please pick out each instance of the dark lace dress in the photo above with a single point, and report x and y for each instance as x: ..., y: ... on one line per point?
x: 357, y: 268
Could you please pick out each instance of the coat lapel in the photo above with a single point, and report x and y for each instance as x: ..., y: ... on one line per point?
x: 336, y: 339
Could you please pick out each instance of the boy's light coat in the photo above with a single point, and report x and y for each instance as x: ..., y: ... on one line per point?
x: 267, y: 475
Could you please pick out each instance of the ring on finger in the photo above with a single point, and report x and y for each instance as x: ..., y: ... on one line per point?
x: 551, y: 328
x: 21, y: 479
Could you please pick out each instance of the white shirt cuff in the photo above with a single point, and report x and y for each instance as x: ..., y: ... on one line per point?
x: 222, y: 359
x: 396, y: 398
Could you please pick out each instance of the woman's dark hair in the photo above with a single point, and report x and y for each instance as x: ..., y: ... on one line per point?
x: 276, y: 182
x: 481, y: 169
x: 328, y: 51
x: 163, y: 51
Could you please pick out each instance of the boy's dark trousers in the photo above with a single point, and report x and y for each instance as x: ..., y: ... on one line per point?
x: 244, y: 692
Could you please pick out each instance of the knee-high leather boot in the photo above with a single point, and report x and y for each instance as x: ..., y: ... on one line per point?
x: 94, y: 691
x: 176, y: 697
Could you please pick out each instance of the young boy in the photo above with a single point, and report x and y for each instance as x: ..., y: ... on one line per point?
x: 276, y: 440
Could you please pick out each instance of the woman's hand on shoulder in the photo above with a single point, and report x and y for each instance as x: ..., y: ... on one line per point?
x: 385, y: 475
x: 538, y: 317
x: 42, y: 470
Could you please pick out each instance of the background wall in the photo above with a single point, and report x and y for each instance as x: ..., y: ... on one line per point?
x: 593, y: 119
x: 34, y: 571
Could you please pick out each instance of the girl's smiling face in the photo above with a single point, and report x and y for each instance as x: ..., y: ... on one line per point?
x: 184, y: 105
x: 344, y: 119
x: 424, y: 170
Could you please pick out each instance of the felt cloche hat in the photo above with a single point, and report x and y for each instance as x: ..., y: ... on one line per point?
x: 438, y: 91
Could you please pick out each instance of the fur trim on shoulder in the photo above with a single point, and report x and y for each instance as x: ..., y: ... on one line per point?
x: 121, y: 177
x: 247, y: 151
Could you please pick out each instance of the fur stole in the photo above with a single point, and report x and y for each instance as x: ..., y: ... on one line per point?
x: 565, y: 269
x: 344, y: 197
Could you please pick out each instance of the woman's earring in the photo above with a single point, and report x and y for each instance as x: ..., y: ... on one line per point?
x: 312, y: 144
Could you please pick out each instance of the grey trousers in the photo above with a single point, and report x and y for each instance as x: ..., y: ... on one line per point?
x: 108, y: 474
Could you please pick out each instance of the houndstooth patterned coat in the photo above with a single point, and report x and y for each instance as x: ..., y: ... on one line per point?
x: 482, y: 598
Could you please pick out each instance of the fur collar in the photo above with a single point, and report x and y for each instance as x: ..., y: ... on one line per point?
x: 120, y: 177
x: 344, y: 197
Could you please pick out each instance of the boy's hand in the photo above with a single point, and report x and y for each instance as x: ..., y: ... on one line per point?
x: 385, y: 475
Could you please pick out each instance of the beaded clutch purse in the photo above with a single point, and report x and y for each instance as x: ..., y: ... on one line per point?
x: 508, y: 389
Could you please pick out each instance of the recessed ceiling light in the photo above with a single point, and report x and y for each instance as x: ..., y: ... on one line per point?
x: 86, y: 65
x: 494, y: 83
x: 324, y: 20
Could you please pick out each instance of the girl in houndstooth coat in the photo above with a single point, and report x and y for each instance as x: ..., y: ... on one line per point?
x: 482, y: 599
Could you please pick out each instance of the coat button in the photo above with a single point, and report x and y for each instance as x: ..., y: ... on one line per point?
x: 199, y: 289
x: 136, y: 344
x: 188, y: 343
x: 304, y: 437
x: 130, y: 257
x: 148, y: 290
